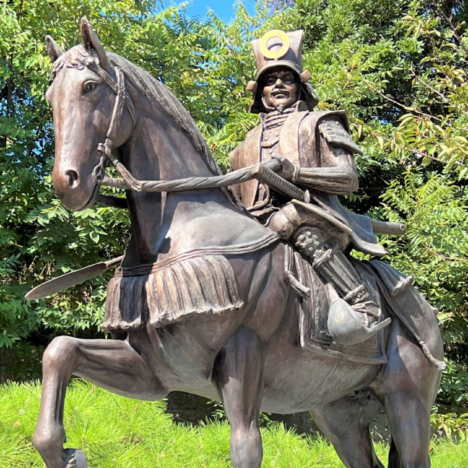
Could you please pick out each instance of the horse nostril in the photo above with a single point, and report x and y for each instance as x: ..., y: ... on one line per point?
x: 72, y: 178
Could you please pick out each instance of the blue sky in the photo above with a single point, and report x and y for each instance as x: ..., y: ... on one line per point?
x: 223, y: 8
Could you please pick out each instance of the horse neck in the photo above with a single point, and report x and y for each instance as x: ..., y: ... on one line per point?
x: 159, y: 150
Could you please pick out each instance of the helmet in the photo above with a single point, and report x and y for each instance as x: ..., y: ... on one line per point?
x: 279, y: 49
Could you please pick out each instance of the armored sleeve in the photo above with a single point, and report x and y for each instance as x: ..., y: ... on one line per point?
x: 332, y: 130
x: 337, y: 174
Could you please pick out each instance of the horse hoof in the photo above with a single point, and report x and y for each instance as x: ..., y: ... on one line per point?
x: 75, y: 459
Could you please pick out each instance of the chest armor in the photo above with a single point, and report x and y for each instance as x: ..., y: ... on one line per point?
x: 294, y: 137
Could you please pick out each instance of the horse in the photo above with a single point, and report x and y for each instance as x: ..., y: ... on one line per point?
x: 239, y: 343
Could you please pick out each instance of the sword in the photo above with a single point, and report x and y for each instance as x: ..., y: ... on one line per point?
x: 272, y: 179
x: 71, y: 279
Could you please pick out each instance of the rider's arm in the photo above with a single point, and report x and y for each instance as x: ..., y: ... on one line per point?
x: 337, y: 174
x: 340, y: 179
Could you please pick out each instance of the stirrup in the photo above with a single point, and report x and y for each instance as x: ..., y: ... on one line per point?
x: 345, y: 325
x: 376, y: 327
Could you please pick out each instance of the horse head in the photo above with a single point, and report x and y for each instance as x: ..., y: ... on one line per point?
x: 82, y: 104
x: 85, y: 84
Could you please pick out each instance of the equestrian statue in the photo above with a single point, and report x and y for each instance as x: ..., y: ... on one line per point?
x: 238, y: 287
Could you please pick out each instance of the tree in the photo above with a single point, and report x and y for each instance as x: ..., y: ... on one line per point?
x: 39, y: 238
x: 398, y: 67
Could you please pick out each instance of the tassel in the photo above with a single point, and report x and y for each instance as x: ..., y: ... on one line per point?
x: 439, y: 365
x: 252, y: 86
x: 305, y: 76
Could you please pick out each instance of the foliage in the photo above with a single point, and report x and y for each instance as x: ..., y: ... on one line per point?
x: 140, y: 435
x: 22, y: 362
x: 39, y: 238
x: 398, y: 67
x: 454, y: 427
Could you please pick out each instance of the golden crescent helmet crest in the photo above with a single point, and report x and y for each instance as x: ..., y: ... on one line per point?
x: 269, y: 44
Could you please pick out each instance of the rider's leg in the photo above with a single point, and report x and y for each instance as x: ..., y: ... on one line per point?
x: 111, y: 364
x: 354, y: 313
x: 238, y: 375
x: 325, y: 253
x: 408, y: 388
x: 345, y: 423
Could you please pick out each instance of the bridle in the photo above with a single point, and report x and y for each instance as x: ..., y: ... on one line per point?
x: 105, y: 149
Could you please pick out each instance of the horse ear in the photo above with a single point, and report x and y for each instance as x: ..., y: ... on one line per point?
x: 53, y: 49
x: 92, y: 43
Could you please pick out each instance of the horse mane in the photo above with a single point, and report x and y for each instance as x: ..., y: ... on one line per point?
x: 147, y: 85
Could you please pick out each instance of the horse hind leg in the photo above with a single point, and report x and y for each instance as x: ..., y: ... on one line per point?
x: 345, y: 423
x: 409, y: 420
x: 110, y: 364
x: 408, y: 387
x: 238, y: 375
x: 394, y: 456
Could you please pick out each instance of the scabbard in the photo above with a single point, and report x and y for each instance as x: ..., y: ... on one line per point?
x: 384, y: 227
x: 278, y: 183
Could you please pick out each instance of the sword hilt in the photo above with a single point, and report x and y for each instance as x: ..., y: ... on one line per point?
x: 275, y: 181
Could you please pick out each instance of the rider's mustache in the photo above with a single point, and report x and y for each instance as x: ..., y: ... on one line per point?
x: 281, y: 87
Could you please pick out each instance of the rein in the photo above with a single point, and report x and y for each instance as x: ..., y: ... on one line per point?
x: 263, y: 171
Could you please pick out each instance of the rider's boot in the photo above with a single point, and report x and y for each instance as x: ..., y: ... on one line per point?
x: 351, y: 305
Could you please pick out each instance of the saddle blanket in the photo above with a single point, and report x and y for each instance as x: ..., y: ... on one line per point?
x: 198, y: 286
x: 194, y: 284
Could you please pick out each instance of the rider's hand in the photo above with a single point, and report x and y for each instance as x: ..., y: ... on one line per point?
x: 287, y: 167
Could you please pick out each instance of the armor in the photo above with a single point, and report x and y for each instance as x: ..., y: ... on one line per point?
x: 319, y: 153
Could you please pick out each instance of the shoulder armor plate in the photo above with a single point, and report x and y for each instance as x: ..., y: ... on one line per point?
x: 333, y: 131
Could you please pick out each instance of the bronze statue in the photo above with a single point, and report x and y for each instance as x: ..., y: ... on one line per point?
x: 317, y: 153
x: 208, y: 300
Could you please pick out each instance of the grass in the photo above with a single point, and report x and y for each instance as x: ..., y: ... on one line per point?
x: 117, y: 432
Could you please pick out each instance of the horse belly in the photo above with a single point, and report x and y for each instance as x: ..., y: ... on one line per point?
x: 297, y: 380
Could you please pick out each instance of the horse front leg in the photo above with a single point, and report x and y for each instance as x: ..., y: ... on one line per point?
x: 110, y: 364
x: 238, y: 375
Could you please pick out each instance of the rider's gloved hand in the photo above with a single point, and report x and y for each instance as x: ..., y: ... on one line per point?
x: 288, y: 170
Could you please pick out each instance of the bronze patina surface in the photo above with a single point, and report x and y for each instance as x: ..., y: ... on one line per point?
x: 209, y: 300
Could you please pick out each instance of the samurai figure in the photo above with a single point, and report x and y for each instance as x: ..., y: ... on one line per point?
x: 317, y: 154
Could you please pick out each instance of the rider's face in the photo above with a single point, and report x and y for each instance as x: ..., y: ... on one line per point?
x: 280, y: 88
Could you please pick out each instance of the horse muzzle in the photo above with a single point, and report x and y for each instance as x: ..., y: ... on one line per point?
x: 76, y: 190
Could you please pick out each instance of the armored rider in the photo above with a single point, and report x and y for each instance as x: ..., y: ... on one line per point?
x: 317, y: 154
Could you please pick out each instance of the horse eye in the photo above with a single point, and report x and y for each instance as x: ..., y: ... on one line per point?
x: 89, y: 86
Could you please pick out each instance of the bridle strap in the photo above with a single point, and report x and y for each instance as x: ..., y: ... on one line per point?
x: 105, y: 149
x: 118, y: 88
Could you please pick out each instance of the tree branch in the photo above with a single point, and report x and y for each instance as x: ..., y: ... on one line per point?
x: 402, y: 106
x: 418, y: 154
